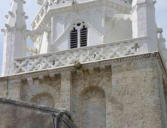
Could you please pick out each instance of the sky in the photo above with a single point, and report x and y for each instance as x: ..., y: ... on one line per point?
x: 31, y: 9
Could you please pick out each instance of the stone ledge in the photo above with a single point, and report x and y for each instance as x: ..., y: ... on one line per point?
x: 108, y: 62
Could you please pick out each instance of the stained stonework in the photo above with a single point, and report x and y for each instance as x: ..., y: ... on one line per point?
x: 93, y: 108
x: 135, y: 95
x: 132, y: 92
x: 43, y: 99
x: 89, y: 90
x: 112, y: 77
x: 16, y: 114
x: 20, y: 117
x: 44, y: 91
x: 121, y: 93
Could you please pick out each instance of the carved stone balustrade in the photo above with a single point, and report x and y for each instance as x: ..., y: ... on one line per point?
x: 81, y: 55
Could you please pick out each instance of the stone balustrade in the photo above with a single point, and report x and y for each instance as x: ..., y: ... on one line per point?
x: 81, y: 55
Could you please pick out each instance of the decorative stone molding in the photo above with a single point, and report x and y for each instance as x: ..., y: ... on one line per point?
x: 82, y: 55
x: 55, y: 5
x: 87, y: 66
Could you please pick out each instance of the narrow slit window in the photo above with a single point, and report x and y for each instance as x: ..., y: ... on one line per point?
x: 74, y: 38
x: 83, y: 36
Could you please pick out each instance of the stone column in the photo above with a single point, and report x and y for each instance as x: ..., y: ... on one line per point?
x: 66, y: 90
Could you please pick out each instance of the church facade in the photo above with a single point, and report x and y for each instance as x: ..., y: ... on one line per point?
x: 104, y: 61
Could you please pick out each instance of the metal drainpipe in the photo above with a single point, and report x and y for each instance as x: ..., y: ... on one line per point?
x: 57, y: 118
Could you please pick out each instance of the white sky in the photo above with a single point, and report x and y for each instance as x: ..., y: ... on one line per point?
x: 31, y: 9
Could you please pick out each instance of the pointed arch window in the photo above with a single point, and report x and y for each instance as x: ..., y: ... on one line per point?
x: 78, y: 35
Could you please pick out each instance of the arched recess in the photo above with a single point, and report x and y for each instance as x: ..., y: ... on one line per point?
x: 93, y: 108
x: 45, y: 99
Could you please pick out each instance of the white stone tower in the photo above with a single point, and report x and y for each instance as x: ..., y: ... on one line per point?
x: 14, y: 36
x: 102, y: 60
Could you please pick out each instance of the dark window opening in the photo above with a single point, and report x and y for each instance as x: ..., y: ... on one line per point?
x: 78, y: 35
x: 83, y: 36
x: 74, y: 38
x: 78, y: 24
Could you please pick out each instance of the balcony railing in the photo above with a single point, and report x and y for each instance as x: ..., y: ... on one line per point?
x: 81, y: 55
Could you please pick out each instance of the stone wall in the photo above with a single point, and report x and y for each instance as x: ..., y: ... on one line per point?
x: 43, y: 91
x: 131, y: 96
x: 16, y: 114
x: 135, y: 95
x: 89, y: 97
x: 19, y: 115
x: 119, y: 93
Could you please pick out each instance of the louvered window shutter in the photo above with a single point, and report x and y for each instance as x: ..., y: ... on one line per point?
x: 74, y: 38
x: 83, y: 36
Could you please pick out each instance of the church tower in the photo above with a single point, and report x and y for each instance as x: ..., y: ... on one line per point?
x: 14, y: 36
x: 104, y: 61
x: 143, y: 21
